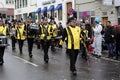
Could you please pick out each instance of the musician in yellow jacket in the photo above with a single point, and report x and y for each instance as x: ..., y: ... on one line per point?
x: 3, y: 32
x: 84, y: 41
x: 72, y: 33
x: 54, y: 34
x: 45, y: 36
x: 20, y: 34
x: 12, y: 35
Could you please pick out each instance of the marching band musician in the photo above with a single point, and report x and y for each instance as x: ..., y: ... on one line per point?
x: 12, y: 35
x: 54, y: 31
x: 20, y: 34
x: 3, y: 31
x: 45, y: 36
x: 72, y: 33
x: 30, y: 38
x: 84, y: 41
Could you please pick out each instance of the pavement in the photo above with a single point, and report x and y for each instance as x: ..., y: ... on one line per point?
x: 21, y: 67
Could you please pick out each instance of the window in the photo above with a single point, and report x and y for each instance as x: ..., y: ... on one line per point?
x: 25, y: 3
x: 118, y: 11
x: 60, y: 14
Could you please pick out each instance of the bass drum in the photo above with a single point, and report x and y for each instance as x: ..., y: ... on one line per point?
x: 33, y: 30
x: 3, y: 40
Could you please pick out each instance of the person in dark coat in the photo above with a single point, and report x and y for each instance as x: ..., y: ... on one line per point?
x: 89, y: 28
x: 117, y: 38
x: 110, y: 39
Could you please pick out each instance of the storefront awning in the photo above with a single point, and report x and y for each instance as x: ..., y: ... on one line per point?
x: 59, y: 6
x: 44, y: 9
x: 51, y: 8
x: 38, y: 10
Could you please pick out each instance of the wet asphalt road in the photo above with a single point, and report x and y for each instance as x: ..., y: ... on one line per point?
x: 21, y: 67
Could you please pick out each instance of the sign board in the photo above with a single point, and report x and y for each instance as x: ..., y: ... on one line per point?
x: 48, y: 2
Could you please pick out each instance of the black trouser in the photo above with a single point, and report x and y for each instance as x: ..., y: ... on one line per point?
x: 38, y: 46
x: 117, y: 50
x: 30, y: 45
x: 53, y: 45
x: 20, y: 42
x: 45, y: 45
x: 2, y: 49
x: 73, y: 58
x: 13, y: 42
x: 83, y: 50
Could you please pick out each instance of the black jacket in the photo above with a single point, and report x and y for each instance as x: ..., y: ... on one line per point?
x: 108, y: 35
x: 89, y: 28
x: 117, y: 38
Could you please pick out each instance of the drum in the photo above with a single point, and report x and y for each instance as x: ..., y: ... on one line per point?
x: 33, y: 29
x: 3, y: 41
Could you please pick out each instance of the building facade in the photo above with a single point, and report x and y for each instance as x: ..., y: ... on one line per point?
x: 89, y: 9
x: 117, y: 7
x: 7, y: 9
x: 57, y: 9
x: 25, y: 8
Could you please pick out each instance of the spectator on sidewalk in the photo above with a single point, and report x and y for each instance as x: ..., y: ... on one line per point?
x: 110, y: 39
x: 117, y: 42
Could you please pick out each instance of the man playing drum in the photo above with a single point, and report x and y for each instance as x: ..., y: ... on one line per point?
x: 3, y: 33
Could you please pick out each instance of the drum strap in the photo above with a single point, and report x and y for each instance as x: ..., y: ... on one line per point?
x: 71, y: 36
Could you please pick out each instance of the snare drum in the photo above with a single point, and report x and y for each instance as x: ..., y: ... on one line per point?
x: 3, y: 41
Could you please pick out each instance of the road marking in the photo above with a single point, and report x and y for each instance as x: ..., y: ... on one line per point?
x: 25, y: 61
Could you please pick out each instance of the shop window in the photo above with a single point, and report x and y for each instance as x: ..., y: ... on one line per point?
x: 60, y: 14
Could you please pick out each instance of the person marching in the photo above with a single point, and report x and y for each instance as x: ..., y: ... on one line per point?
x: 3, y: 32
x: 84, y: 41
x: 72, y: 33
x: 13, y: 37
x: 20, y: 34
x: 54, y: 30
x: 30, y: 37
x: 45, y: 36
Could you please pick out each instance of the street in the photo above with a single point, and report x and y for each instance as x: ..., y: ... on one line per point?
x: 21, y: 67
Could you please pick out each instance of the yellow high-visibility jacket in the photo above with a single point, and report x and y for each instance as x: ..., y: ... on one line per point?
x: 20, y: 34
x: 45, y: 32
x: 76, y: 32
x: 84, y: 34
x: 54, y: 30
x: 3, y: 30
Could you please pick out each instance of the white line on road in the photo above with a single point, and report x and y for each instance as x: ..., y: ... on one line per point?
x: 25, y: 61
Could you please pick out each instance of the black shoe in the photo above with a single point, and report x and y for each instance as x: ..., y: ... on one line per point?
x: 74, y: 73
x: 21, y: 52
x: 13, y: 49
x: 98, y: 56
x: 46, y: 60
x: 30, y: 55
x: 1, y: 62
